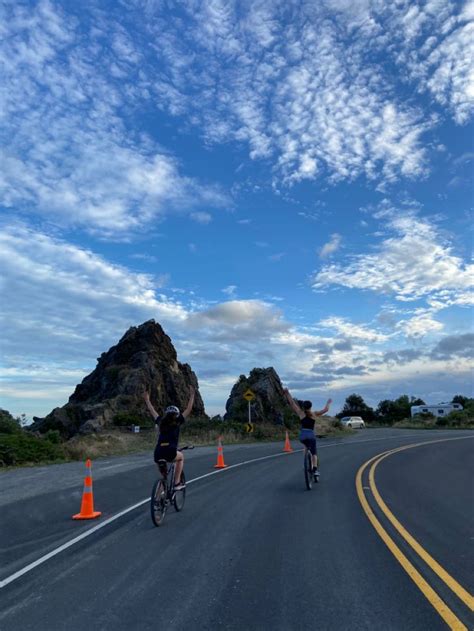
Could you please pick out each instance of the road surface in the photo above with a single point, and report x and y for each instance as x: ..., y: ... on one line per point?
x: 252, y: 548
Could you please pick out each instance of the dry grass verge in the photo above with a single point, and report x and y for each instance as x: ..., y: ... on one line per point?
x: 199, y: 433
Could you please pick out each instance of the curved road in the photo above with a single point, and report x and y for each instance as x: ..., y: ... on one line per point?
x: 251, y: 550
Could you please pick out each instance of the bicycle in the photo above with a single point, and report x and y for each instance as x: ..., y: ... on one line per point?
x: 164, y: 493
x: 309, y: 476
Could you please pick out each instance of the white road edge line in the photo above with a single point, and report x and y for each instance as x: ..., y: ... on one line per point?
x: 13, y: 577
x: 87, y: 533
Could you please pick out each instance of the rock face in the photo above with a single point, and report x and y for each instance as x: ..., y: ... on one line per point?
x: 144, y: 359
x: 269, y: 405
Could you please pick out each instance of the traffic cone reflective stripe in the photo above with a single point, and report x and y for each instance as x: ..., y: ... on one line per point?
x: 87, y: 504
x: 220, y: 456
x: 287, y: 446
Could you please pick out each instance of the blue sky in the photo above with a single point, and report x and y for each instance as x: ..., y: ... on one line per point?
x: 282, y: 184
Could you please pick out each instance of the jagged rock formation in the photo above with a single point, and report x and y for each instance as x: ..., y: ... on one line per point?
x: 144, y: 359
x: 269, y: 405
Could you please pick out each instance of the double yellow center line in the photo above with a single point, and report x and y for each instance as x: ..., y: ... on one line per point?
x: 444, y: 611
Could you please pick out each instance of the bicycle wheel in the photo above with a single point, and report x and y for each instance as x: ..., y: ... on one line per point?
x: 158, y: 502
x: 308, y: 470
x: 180, y: 496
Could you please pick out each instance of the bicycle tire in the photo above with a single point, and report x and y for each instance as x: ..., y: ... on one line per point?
x: 180, y: 496
x: 158, y: 503
x: 308, y: 470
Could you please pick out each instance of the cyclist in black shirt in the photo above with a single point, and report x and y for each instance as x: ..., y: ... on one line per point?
x: 308, y: 418
x: 168, y: 427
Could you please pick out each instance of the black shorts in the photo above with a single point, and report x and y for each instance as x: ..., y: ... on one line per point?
x: 165, y: 452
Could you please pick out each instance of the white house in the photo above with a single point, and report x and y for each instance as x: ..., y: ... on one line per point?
x: 440, y: 409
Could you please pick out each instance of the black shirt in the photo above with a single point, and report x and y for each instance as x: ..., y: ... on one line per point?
x: 307, y: 422
x: 169, y: 431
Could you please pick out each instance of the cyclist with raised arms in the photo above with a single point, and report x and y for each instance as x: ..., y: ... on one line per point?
x: 168, y: 427
x: 308, y: 418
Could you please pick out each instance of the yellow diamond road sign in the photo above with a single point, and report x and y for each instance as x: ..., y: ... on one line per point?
x: 249, y: 395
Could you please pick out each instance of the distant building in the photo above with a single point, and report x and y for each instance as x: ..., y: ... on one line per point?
x: 440, y: 409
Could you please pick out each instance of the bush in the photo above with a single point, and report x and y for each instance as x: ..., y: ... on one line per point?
x: 424, y: 416
x: 54, y: 436
x: 8, y: 424
x: 24, y: 448
x: 460, y: 417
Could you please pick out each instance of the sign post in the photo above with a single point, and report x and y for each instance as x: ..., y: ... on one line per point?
x: 249, y: 396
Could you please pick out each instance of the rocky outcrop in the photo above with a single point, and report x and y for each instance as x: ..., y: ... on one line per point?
x: 144, y: 359
x: 269, y: 404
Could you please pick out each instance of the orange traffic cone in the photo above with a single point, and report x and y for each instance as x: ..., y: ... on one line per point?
x: 287, y: 446
x: 220, y: 456
x: 87, y: 504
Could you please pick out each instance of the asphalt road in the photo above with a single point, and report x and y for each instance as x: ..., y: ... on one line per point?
x: 252, y: 548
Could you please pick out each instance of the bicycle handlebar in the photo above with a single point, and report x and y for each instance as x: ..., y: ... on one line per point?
x: 185, y: 447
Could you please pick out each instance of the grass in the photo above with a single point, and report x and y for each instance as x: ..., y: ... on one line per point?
x: 196, y: 432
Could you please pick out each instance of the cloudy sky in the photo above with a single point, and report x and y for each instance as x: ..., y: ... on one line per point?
x: 278, y: 183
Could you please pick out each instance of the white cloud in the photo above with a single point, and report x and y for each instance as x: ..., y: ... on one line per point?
x: 313, y: 96
x: 201, y: 217
x: 415, y: 263
x: 63, y: 305
x: 68, y: 296
x: 239, y: 320
x: 141, y: 256
x: 331, y: 246
x: 303, y: 96
x: 435, y: 45
x: 420, y: 325
x: 353, y: 331
x: 230, y: 290
x: 68, y: 153
x: 275, y: 258
x: 431, y: 42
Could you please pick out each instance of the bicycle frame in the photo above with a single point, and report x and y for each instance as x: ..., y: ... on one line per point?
x: 167, y: 477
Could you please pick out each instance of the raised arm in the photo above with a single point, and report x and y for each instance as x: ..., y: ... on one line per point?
x: 189, y: 407
x: 293, y: 405
x: 149, y: 405
x: 325, y: 408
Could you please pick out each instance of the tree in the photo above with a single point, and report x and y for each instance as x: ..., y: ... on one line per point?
x: 389, y: 411
x: 9, y: 424
x: 385, y: 411
x: 459, y: 398
x: 356, y: 406
x: 402, y: 407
